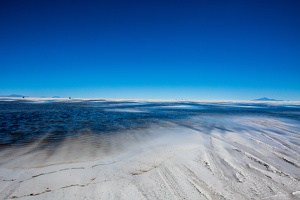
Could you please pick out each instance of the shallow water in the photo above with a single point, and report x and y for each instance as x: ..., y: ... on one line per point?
x: 50, y: 122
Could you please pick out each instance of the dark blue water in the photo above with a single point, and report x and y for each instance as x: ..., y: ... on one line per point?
x: 25, y: 122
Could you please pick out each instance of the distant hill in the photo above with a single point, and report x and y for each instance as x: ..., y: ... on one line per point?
x: 16, y: 95
x: 266, y: 99
x: 56, y: 97
x: 13, y: 95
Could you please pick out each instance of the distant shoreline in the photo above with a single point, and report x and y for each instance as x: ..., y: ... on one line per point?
x: 146, y: 100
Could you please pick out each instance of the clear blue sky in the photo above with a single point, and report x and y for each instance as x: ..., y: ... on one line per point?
x: 151, y: 49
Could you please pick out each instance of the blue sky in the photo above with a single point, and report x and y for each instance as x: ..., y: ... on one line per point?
x: 151, y: 49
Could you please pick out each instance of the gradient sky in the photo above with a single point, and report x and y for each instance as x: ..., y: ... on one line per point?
x: 151, y: 49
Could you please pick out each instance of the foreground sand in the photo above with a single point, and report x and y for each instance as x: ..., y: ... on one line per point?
x: 170, y: 161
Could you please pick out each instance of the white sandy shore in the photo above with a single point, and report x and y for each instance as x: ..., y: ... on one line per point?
x: 169, y: 162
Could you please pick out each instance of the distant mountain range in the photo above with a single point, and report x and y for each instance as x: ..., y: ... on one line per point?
x: 19, y: 95
x: 12, y: 95
x: 266, y: 99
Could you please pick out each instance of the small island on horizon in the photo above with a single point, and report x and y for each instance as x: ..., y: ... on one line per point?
x: 266, y: 99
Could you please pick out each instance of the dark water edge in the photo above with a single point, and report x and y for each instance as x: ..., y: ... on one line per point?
x: 50, y: 122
